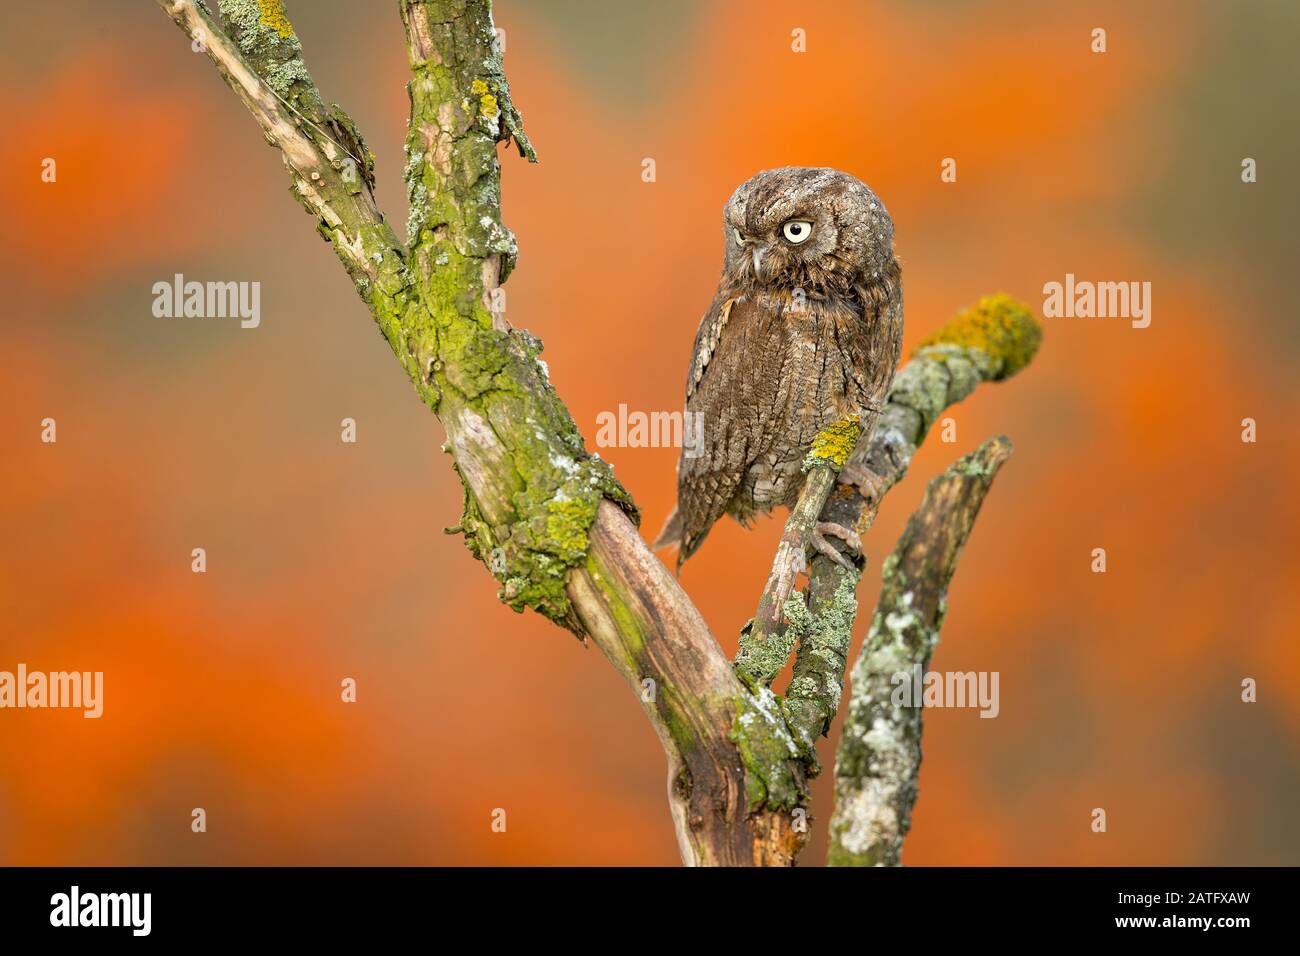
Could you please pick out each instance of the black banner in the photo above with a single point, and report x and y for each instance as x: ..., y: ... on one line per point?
x: 90, y: 906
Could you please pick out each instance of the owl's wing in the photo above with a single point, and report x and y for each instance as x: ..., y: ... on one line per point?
x: 733, y: 392
x: 875, y: 344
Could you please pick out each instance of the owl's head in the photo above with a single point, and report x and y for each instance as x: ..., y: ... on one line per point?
x: 820, y: 230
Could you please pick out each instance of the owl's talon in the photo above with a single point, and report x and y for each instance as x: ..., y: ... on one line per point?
x: 847, y: 535
x: 869, y: 484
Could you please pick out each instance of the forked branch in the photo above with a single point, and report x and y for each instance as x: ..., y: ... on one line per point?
x: 548, y: 519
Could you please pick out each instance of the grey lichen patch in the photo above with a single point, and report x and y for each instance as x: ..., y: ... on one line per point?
x: 283, y: 77
x: 972, y: 466
x: 813, y: 696
x: 417, y: 195
x: 866, y: 830
x: 265, y: 36
x: 768, y: 752
x: 879, y: 754
x: 895, y: 642
x: 965, y: 371
x: 761, y: 659
x: 831, y: 627
x: 987, y: 342
x: 922, y: 386
x: 964, y: 367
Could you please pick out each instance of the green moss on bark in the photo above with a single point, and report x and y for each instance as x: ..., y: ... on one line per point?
x: 559, y: 486
x: 768, y: 752
x: 466, y: 364
x: 532, y: 491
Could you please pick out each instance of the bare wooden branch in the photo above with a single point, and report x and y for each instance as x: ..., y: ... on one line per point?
x: 261, y: 61
x: 879, y: 755
x: 635, y: 612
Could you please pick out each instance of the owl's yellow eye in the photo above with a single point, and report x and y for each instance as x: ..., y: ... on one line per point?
x: 740, y: 240
x: 797, y: 230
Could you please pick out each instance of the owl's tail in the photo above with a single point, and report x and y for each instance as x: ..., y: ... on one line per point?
x: 671, y: 535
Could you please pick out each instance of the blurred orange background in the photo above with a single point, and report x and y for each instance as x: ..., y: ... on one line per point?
x: 327, y: 560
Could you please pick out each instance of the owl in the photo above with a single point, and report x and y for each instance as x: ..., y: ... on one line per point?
x: 805, y: 329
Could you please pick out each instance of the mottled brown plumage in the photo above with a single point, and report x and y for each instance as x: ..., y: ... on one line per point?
x: 806, y: 328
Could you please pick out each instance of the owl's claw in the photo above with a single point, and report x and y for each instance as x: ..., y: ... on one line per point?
x: 847, y: 535
x: 869, y: 484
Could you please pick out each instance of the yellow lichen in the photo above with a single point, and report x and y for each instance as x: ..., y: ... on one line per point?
x: 835, y: 443
x: 487, y: 103
x: 998, y: 325
x: 272, y: 15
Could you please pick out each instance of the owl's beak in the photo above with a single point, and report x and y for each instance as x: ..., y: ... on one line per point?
x: 757, y: 253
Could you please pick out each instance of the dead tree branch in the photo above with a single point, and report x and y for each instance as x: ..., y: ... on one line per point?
x: 548, y: 519
x: 879, y: 755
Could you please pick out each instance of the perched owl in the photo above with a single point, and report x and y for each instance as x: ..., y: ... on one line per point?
x: 805, y: 328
